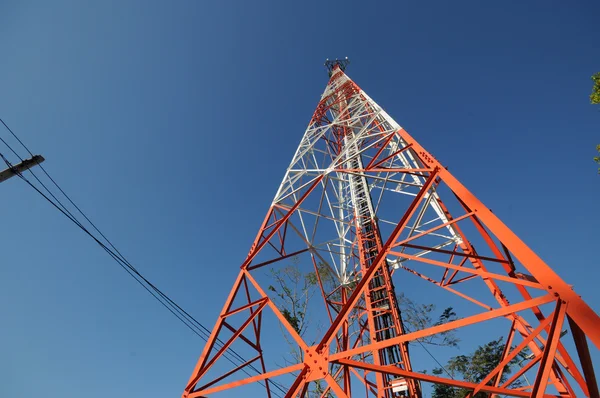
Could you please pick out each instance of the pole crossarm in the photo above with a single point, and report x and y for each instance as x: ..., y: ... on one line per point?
x: 15, y: 170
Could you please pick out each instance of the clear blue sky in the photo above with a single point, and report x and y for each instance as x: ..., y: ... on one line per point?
x: 171, y: 124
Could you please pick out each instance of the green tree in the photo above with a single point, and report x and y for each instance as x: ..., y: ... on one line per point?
x: 293, y: 290
x: 417, y: 316
x: 474, y: 368
x: 595, y: 95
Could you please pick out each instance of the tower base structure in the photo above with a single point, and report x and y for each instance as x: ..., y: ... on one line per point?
x: 364, y: 212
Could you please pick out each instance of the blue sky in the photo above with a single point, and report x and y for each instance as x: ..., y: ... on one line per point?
x: 171, y: 124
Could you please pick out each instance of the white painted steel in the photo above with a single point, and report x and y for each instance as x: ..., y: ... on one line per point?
x: 369, y: 127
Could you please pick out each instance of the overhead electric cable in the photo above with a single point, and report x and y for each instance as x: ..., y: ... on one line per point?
x: 183, y: 316
x: 429, y: 352
x: 188, y: 320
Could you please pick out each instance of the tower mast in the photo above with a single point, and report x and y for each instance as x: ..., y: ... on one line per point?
x: 382, y: 312
x: 359, y: 205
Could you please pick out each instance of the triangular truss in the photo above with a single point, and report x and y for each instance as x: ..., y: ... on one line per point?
x: 363, y: 206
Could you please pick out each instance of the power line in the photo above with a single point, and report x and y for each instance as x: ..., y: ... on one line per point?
x: 430, y: 354
x: 172, y: 306
x: 32, y: 173
x: 188, y: 320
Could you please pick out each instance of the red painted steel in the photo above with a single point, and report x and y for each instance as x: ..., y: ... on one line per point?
x: 365, y: 346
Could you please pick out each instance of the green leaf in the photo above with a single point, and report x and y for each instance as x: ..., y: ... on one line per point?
x: 595, y: 95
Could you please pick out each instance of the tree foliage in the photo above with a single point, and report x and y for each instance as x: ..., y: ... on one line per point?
x: 474, y: 368
x: 293, y: 289
x: 595, y: 95
x: 419, y: 316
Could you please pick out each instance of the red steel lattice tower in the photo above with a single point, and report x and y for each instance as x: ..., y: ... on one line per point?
x: 363, y: 206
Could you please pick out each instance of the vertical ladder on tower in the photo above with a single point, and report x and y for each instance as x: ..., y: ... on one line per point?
x: 384, y: 318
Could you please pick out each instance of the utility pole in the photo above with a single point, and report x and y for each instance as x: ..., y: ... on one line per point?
x: 21, y: 167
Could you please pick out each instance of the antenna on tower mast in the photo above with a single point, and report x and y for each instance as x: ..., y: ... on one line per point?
x: 330, y: 65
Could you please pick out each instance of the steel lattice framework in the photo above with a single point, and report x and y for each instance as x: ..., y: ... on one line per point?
x: 364, y: 203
